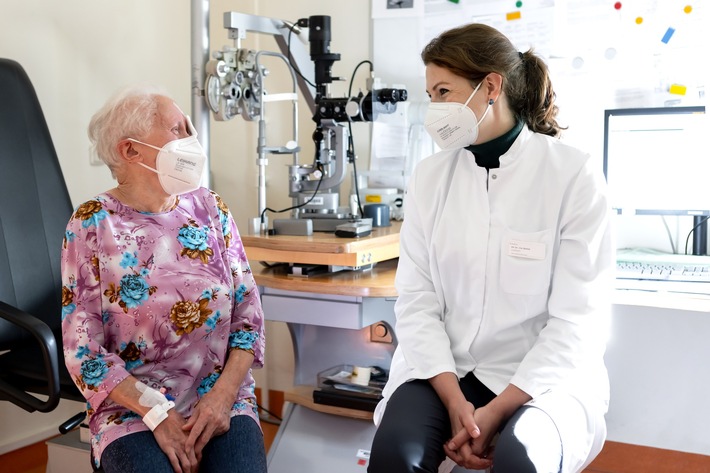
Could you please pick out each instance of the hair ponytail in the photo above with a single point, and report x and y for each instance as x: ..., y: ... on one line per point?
x: 532, y: 97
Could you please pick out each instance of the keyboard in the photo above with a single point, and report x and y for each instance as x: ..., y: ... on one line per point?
x: 662, y: 271
x: 654, y: 271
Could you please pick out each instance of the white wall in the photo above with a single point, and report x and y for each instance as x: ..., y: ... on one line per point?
x: 77, y: 53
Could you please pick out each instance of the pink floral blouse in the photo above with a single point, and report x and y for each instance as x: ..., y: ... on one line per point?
x: 162, y: 297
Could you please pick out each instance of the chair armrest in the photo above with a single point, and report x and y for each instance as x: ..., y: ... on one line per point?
x: 48, y: 344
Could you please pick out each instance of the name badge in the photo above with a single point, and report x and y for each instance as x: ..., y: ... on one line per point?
x: 526, y: 249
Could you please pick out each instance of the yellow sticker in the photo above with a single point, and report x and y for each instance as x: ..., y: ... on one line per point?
x: 678, y: 89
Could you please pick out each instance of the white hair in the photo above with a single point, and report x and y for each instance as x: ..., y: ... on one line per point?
x: 130, y: 113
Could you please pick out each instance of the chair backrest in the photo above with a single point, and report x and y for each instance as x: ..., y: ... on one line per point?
x: 34, y: 210
x: 34, y: 206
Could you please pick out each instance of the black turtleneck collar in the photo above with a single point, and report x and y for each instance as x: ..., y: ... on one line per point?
x: 488, y: 154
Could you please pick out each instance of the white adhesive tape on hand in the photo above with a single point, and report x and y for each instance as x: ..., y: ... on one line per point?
x: 157, y: 414
x: 149, y: 396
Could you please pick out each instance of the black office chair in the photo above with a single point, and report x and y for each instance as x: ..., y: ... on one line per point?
x: 34, y: 210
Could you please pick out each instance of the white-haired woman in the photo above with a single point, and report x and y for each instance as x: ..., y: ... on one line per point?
x: 162, y: 321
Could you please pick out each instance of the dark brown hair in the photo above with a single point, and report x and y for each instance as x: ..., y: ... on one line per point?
x: 473, y: 51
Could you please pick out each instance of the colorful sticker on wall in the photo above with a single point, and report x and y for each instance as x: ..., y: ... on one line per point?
x: 667, y: 36
x: 677, y: 89
x: 514, y: 15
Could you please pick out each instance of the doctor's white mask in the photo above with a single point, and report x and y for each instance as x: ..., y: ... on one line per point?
x: 454, y: 125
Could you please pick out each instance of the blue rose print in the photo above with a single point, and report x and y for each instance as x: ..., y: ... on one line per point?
x: 240, y: 406
x: 104, y: 316
x: 243, y: 340
x: 129, y: 260
x: 239, y: 293
x: 83, y: 351
x: 194, y: 242
x: 134, y: 290
x: 69, y: 235
x: 224, y: 221
x: 93, y: 371
x: 207, y: 384
x: 68, y: 309
x: 211, y: 322
x: 207, y: 294
x: 94, y: 219
x: 193, y: 238
x: 127, y: 416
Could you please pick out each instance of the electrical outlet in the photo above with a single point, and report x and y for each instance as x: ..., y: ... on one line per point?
x: 381, y: 332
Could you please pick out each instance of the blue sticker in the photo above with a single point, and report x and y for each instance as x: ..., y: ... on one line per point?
x: 667, y: 36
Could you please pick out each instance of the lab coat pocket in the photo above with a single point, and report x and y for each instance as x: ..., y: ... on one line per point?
x: 526, y: 262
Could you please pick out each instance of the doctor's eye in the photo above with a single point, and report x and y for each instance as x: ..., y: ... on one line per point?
x: 442, y: 92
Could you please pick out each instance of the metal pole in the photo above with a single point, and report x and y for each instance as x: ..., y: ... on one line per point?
x: 200, y: 51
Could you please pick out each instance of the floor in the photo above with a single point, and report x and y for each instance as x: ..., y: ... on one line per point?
x: 615, y: 458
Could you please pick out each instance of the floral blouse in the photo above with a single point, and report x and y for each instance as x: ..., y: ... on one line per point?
x: 162, y: 297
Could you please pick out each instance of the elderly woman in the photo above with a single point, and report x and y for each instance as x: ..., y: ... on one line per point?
x: 162, y: 322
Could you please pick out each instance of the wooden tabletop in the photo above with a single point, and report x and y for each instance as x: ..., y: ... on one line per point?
x: 376, y: 282
x: 325, y: 248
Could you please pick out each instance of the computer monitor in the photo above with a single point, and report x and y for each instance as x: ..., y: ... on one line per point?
x: 657, y: 161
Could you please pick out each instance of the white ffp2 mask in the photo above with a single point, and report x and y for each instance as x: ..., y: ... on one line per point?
x: 453, y: 125
x: 179, y: 164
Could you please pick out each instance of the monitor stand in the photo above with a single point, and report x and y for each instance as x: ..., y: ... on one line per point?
x: 700, y: 235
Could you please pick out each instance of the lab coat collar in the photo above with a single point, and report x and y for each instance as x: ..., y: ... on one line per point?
x: 514, y: 152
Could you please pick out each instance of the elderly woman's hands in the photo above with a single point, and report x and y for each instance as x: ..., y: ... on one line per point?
x: 210, y: 418
x: 212, y: 415
x: 172, y: 439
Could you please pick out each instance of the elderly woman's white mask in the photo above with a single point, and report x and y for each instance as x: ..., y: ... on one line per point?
x: 180, y: 163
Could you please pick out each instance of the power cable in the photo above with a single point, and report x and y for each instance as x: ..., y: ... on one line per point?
x: 692, y: 230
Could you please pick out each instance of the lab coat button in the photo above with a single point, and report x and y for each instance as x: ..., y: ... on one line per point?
x: 494, y: 176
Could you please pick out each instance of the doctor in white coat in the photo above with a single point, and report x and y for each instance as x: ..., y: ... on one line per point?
x: 504, y: 277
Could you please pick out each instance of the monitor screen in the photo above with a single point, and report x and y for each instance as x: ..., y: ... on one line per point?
x: 656, y: 160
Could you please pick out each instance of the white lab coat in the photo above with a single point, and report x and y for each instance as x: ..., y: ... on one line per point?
x: 507, y: 273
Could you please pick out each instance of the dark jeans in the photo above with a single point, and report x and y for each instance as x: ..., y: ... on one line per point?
x: 416, y: 425
x: 240, y: 450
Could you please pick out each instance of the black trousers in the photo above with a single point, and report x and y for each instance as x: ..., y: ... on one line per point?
x: 416, y: 425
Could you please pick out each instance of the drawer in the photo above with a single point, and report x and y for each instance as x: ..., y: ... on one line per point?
x: 313, y: 311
